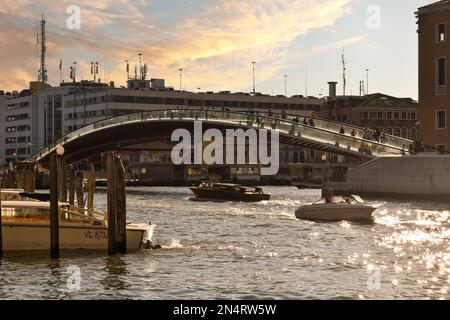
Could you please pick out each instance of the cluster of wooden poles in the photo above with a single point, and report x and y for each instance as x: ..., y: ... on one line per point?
x: 66, y: 184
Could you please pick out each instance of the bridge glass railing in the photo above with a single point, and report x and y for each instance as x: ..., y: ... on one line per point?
x: 314, y: 133
x: 361, y: 132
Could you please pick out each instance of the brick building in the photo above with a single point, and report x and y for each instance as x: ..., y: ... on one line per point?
x: 434, y: 94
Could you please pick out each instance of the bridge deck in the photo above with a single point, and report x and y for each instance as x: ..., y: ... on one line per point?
x: 324, y: 135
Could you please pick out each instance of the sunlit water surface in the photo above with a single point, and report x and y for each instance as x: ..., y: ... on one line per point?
x: 216, y: 250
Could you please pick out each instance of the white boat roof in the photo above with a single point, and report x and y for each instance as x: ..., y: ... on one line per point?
x: 28, y: 204
x: 12, y: 191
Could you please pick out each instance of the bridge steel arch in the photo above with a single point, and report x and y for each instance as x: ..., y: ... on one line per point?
x: 137, y: 128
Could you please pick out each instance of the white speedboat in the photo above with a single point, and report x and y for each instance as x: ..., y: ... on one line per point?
x: 351, y: 208
x: 26, y: 227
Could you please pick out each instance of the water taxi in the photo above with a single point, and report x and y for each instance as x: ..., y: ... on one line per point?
x: 229, y: 192
x: 351, y: 208
x: 26, y: 227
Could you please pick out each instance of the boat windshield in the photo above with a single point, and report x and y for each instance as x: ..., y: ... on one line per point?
x: 338, y: 199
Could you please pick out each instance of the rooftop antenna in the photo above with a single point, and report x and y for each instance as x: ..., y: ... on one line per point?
x: 60, y: 70
x: 145, y: 71
x: 42, y: 45
x: 367, y: 81
x: 128, y: 69
x: 73, y: 72
x: 344, y: 69
x: 140, y: 65
x: 94, y: 70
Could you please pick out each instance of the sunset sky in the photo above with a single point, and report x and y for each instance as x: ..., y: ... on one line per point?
x: 214, y: 41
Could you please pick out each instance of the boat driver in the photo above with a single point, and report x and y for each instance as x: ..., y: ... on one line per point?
x: 329, y: 196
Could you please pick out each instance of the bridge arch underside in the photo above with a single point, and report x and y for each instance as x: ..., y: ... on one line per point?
x: 129, y: 134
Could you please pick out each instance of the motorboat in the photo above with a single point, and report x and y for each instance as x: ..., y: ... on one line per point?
x: 305, y: 185
x: 350, y: 208
x: 229, y: 192
x: 26, y: 227
x: 20, y: 194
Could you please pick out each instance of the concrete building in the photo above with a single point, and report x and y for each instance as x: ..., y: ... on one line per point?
x: 434, y: 53
x: 395, y: 116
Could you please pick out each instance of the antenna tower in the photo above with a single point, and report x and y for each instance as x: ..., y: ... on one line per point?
x: 42, y: 45
x: 344, y: 69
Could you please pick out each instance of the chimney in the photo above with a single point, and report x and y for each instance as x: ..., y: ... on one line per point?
x: 332, y: 89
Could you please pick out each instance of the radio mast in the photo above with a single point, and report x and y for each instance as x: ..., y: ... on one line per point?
x: 344, y: 70
x: 42, y: 45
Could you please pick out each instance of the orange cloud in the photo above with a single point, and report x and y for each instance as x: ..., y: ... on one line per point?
x: 215, y: 46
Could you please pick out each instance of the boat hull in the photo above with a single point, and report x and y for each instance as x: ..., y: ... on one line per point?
x: 228, y: 196
x: 335, y: 212
x: 32, y: 237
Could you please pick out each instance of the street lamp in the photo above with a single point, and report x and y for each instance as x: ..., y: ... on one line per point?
x: 285, y: 85
x: 254, y: 63
x: 367, y: 81
x: 181, y: 77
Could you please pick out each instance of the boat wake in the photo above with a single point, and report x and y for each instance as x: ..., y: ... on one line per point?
x: 174, y: 244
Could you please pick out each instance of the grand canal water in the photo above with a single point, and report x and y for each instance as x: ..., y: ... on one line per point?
x: 253, y: 251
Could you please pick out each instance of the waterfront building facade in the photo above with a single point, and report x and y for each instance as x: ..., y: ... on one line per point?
x: 434, y: 69
x: 391, y: 115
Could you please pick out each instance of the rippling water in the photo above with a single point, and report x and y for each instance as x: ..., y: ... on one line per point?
x: 252, y: 251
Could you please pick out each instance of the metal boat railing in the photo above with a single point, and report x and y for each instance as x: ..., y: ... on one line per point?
x: 323, y: 132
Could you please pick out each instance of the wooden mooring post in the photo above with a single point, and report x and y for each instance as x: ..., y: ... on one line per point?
x: 54, y: 207
x: 62, y: 174
x: 90, y: 185
x: 79, y: 188
x: 72, y: 186
x: 121, y: 207
x: 116, y: 198
x: 111, y: 200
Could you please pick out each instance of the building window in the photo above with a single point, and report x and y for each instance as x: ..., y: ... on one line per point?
x: 441, y: 116
x: 372, y: 115
x: 413, y: 134
x: 397, y: 132
x: 380, y: 115
x: 404, y: 133
x: 413, y: 115
x: 404, y: 116
x: 441, y: 148
x: 389, y: 115
x: 364, y: 115
x: 440, y: 28
x: 389, y: 130
x: 440, y: 76
x: 396, y: 115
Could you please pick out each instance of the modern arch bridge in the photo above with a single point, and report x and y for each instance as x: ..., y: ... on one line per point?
x: 136, y: 128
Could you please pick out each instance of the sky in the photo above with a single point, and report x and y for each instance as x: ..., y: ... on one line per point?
x: 215, y: 41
